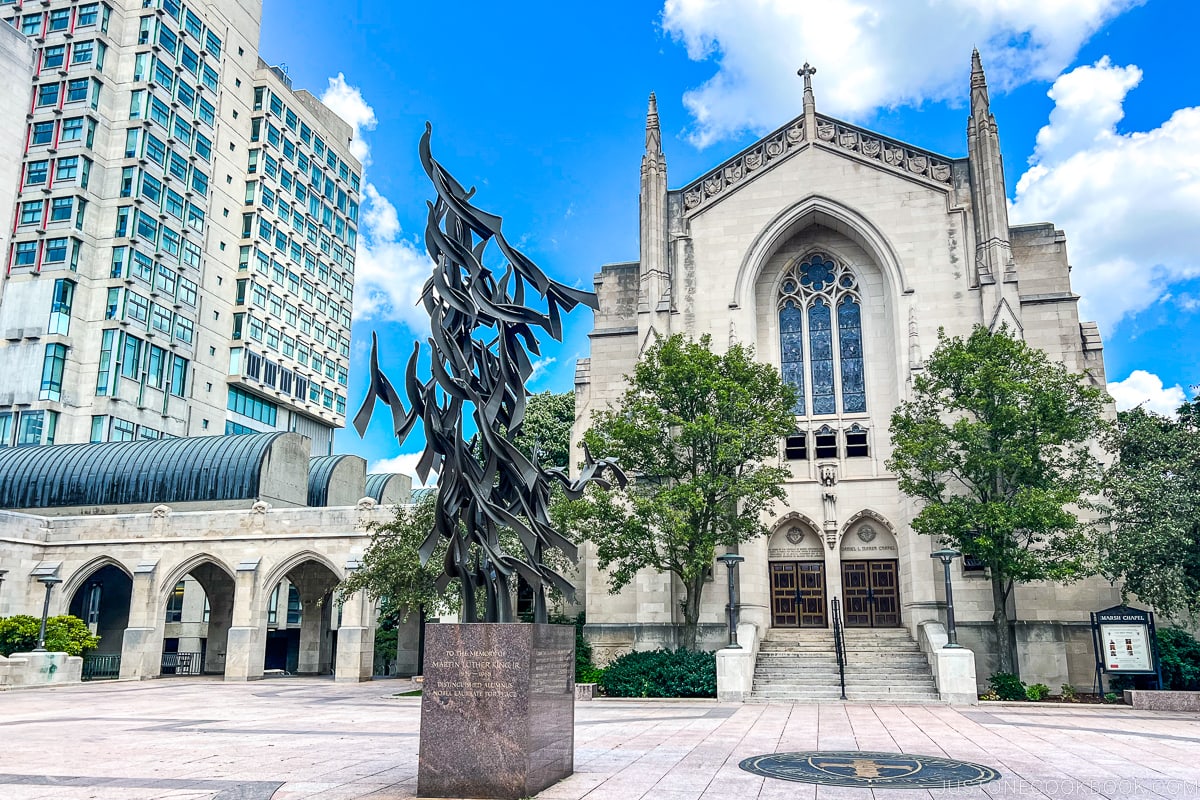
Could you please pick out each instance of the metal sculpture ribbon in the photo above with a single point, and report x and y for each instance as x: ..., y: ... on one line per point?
x: 482, y: 338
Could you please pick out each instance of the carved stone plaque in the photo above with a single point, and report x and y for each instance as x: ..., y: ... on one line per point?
x: 497, y: 710
x: 866, y: 533
x: 795, y: 535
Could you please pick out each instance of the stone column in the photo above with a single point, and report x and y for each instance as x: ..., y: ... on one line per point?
x: 356, y: 641
x: 754, y: 586
x: 311, y: 629
x: 245, y: 641
x: 141, y: 644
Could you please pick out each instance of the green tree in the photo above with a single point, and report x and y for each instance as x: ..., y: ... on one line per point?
x: 392, y: 572
x: 998, y: 444
x: 699, y: 434
x: 1153, y: 492
x: 547, y: 427
x: 65, y: 634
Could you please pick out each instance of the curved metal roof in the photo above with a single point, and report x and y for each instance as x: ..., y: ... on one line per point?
x: 123, y: 473
x: 320, y: 472
x: 377, y: 483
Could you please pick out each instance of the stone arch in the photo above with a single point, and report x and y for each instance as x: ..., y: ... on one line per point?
x: 780, y: 544
x: 867, y: 513
x: 185, y: 567
x: 286, y: 565
x: 818, y: 210
x: 80, y: 575
x: 309, y: 647
x: 885, y: 543
x: 795, y: 517
x: 100, y: 593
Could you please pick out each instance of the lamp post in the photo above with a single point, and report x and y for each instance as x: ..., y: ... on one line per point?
x: 731, y: 560
x: 3, y: 572
x: 49, y: 581
x: 946, y: 556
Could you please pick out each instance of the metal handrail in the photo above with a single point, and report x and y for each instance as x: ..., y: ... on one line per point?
x: 100, y: 667
x: 839, y: 643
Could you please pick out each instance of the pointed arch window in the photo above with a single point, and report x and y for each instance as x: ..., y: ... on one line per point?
x: 820, y: 322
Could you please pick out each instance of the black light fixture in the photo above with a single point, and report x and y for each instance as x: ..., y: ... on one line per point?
x: 731, y: 560
x: 49, y: 581
x: 946, y: 556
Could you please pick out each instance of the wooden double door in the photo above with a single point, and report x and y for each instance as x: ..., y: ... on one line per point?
x: 798, y: 597
x: 871, y: 594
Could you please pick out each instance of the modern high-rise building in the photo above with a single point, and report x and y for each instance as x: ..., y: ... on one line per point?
x: 182, y: 252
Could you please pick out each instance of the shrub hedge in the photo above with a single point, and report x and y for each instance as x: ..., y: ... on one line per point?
x: 662, y: 673
x: 65, y: 634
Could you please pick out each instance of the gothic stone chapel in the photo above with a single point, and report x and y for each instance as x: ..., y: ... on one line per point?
x: 838, y: 253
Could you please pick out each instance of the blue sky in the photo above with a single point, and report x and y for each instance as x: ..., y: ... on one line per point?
x: 542, y: 106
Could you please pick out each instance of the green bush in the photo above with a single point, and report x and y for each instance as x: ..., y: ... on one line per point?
x: 1007, y: 686
x: 1036, y: 692
x: 589, y: 675
x: 65, y: 634
x: 662, y: 673
x: 1179, y: 657
x: 1069, y: 695
x: 584, y: 666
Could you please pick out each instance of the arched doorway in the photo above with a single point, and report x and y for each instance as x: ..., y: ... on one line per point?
x: 198, y: 614
x: 302, y: 620
x: 870, y: 574
x: 101, y: 599
x: 796, y: 562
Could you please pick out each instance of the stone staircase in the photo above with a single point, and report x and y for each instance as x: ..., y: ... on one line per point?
x: 883, y: 665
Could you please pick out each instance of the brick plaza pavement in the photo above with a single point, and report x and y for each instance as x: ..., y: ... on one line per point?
x: 293, y: 738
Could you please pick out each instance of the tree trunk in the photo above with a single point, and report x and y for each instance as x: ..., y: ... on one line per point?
x: 1001, y: 625
x: 691, y: 611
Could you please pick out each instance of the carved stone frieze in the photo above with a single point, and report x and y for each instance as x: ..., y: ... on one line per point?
x: 778, y: 145
x: 893, y: 154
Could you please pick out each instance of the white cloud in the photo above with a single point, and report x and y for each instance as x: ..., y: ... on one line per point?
x: 539, y: 368
x: 1129, y: 202
x: 1145, y: 389
x: 347, y: 102
x: 403, y: 464
x: 390, y: 268
x: 870, y: 53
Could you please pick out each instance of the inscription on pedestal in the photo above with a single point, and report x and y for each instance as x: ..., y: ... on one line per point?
x: 497, y: 710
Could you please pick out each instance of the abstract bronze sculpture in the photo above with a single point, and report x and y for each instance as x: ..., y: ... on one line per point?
x: 482, y: 337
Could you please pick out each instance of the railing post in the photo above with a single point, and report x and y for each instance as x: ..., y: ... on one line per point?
x: 839, y: 644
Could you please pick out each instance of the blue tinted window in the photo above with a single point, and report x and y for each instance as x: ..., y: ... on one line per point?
x: 791, y: 347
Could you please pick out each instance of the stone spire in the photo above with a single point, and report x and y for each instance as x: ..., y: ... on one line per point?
x: 980, y: 105
x: 996, y: 270
x: 654, y: 301
x: 653, y: 132
x: 810, y: 102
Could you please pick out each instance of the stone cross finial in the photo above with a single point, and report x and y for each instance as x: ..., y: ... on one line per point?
x: 806, y: 72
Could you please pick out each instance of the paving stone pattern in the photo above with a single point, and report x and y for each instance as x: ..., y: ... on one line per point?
x: 304, y: 738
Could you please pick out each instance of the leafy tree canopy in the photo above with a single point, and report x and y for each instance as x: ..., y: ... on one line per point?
x: 547, y: 428
x: 1153, y: 494
x: 391, y: 568
x: 999, y: 445
x: 699, y: 435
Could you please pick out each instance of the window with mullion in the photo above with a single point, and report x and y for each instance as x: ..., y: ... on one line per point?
x: 811, y: 290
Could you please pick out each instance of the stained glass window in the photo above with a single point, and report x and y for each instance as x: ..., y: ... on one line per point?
x: 854, y: 394
x: 791, y: 348
x: 820, y: 342
x: 809, y: 292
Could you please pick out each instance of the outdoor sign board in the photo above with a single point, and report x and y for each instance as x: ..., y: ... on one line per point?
x: 1124, y: 641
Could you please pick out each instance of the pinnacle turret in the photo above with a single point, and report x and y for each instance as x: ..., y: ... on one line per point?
x: 653, y: 132
x: 980, y: 104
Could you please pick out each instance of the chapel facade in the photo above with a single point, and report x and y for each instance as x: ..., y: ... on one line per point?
x: 839, y: 253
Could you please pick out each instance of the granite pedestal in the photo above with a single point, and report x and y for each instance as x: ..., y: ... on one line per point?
x: 497, y: 710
